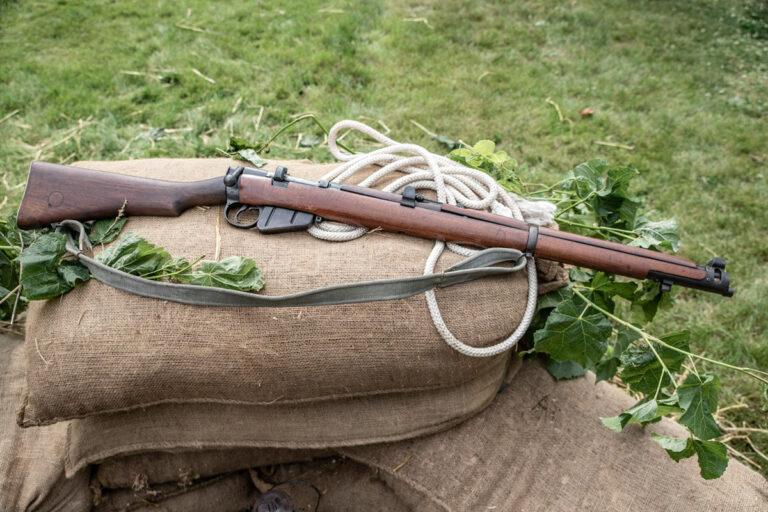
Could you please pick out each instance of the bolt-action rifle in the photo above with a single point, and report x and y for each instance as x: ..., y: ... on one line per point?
x: 276, y: 202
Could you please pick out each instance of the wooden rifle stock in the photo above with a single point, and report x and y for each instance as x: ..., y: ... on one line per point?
x: 283, y: 203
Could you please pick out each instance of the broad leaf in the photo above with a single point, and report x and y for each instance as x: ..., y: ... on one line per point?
x: 447, y: 141
x: 73, y: 272
x: 606, y: 285
x: 642, y: 370
x: 554, y: 298
x: 678, y: 449
x: 698, y: 398
x: 586, y: 178
x: 106, y: 230
x: 645, y: 411
x: 713, y: 458
x: 238, y: 143
x: 647, y: 300
x: 564, y: 370
x: 234, y: 273
x: 663, y: 234
x: 572, y: 333
x: 134, y: 255
x: 712, y: 455
x: 39, y: 262
x: 608, y: 367
x: 250, y: 155
x: 485, y: 147
x: 617, y: 181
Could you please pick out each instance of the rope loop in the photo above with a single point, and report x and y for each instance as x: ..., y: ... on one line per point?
x: 454, y: 184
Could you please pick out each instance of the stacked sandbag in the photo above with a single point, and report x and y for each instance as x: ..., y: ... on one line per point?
x: 32, y: 460
x: 134, y: 376
x: 541, y: 446
x: 133, y: 403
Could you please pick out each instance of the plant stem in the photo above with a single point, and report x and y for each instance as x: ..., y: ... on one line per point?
x: 297, y: 120
x: 625, y: 233
x: 747, y: 371
x: 10, y: 293
x: 574, y: 205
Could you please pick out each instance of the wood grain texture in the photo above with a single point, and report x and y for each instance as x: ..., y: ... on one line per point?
x: 454, y: 224
x: 57, y: 192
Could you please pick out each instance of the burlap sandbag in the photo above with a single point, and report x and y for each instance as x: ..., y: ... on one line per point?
x: 187, y: 467
x: 98, y: 349
x: 32, y: 460
x: 108, y: 441
x: 231, y: 492
x: 331, y: 423
x: 346, y: 486
x: 541, y: 446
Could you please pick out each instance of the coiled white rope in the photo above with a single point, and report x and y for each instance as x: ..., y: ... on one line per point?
x: 454, y: 184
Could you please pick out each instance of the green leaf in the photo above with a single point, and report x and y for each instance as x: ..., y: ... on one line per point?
x: 642, y: 370
x: 712, y: 455
x: 645, y: 411
x: 573, y: 334
x: 485, y: 147
x: 586, y: 178
x: 616, y: 423
x: 624, y: 337
x: 564, y: 370
x: 605, y: 284
x: 713, y: 458
x: 606, y: 369
x: 647, y: 300
x: 657, y: 235
x: 447, y: 141
x: 581, y: 275
x: 237, y: 143
x: 677, y: 449
x: 73, y: 272
x: 234, y: 273
x: 617, y: 181
x: 134, y: 255
x: 250, y: 155
x: 698, y: 398
x: 39, y: 262
x: 105, y: 231
x: 554, y: 298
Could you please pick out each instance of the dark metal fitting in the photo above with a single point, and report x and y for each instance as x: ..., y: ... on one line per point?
x: 717, y: 263
x: 281, y: 174
x: 233, y: 174
x: 409, y: 197
x: 533, y: 239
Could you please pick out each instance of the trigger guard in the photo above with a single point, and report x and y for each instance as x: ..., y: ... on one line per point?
x: 242, y: 209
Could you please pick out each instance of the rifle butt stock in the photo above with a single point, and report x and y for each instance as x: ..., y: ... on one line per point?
x: 57, y: 192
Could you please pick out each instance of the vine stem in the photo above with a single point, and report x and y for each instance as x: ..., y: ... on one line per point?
x: 574, y: 205
x: 625, y: 233
x: 297, y: 120
x: 547, y: 189
x: 751, y: 372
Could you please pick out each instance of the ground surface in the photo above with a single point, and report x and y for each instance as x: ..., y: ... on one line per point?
x: 685, y: 88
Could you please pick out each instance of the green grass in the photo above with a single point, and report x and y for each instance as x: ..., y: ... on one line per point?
x: 686, y: 87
